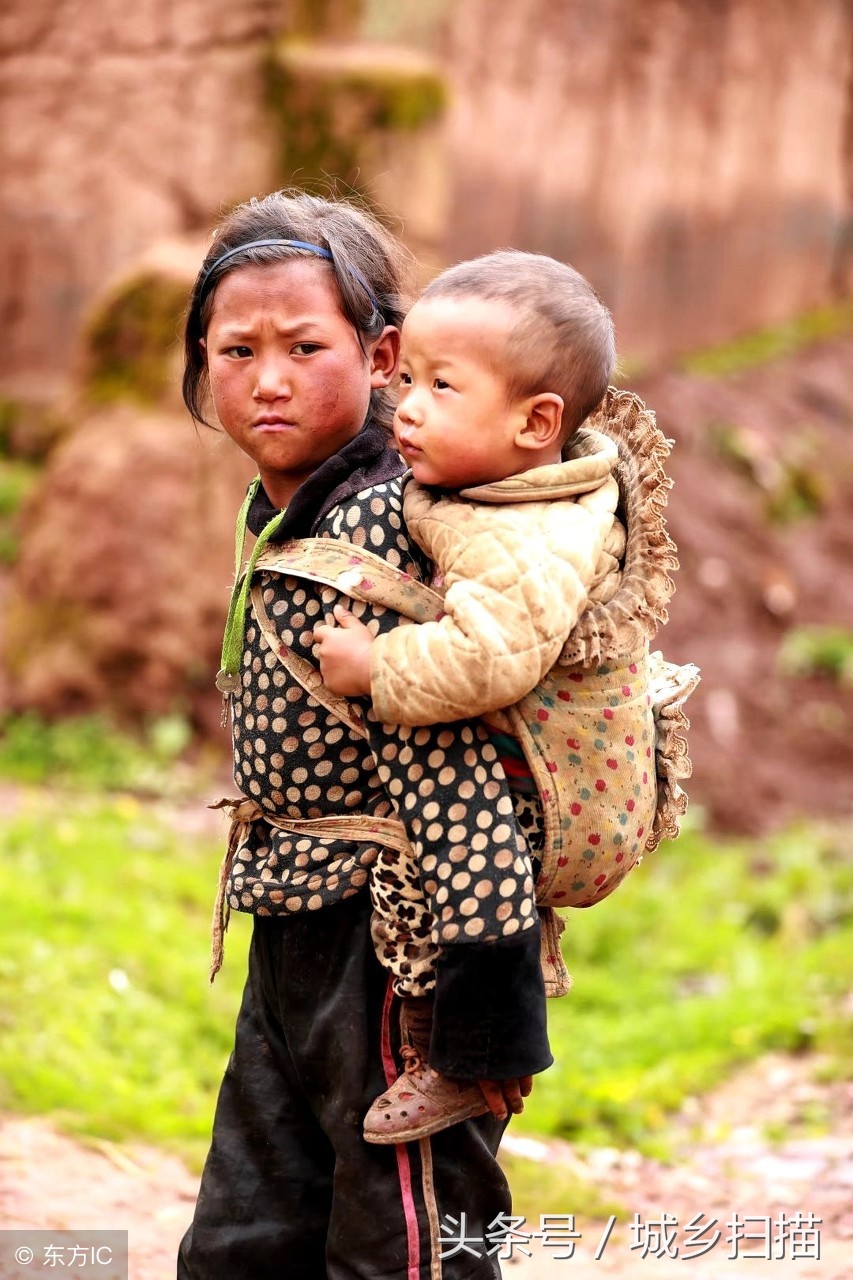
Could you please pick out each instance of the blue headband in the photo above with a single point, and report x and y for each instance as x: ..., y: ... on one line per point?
x: 293, y: 244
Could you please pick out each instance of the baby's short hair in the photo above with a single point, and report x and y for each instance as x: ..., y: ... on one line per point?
x: 563, y: 339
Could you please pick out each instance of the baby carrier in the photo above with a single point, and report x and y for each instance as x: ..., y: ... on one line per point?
x: 602, y: 734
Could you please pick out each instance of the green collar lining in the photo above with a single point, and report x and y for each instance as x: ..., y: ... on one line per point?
x: 228, y: 677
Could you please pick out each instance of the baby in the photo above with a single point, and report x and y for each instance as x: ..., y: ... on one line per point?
x: 503, y: 359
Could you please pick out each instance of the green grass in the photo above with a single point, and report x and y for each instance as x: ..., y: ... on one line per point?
x: 538, y: 1187
x: 775, y: 342
x: 706, y: 958
x: 818, y: 651
x: 107, y: 1020
x: 90, y: 753
x: 750, y: 350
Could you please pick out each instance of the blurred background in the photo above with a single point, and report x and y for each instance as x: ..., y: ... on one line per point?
x: 694, y: 158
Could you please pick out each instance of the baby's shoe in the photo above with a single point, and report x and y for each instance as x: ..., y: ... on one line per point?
x: 421, y: 1101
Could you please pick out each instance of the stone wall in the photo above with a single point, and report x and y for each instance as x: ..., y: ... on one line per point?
x: 693, y: 157
x: 121, y: 124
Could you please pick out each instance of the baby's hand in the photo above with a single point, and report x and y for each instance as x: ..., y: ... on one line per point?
x: 344, y: 654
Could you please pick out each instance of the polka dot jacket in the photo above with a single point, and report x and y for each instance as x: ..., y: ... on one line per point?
x: 295, y: 759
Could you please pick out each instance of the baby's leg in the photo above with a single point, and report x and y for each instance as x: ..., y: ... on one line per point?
x: 402, y: 923
x: 531, y: 823
x: 421, y: 1101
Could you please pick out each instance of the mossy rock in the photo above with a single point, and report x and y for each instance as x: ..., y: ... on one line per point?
x: 790, y: 475
x: 115, y: 599
x: 776, y: 342
x: 132, y: 340
x: 330, y: 18
x: 336, y: 103
x: 32, y: 627
x: 29, y: 430
x: 17, y: 480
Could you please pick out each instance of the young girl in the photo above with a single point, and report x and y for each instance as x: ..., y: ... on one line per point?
x: 293, y: 329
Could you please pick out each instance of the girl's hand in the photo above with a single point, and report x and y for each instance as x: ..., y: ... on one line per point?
x: 344, y: 654
x: 504, y: 1096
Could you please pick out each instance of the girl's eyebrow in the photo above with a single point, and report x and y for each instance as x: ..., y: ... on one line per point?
x: 297, y: 328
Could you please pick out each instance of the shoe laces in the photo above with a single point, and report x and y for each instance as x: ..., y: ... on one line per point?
x: 411, y: 1059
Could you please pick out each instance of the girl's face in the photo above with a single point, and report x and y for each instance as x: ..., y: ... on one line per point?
x: 289, y: 380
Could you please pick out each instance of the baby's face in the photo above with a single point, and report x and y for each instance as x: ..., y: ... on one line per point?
x: 454, y: 424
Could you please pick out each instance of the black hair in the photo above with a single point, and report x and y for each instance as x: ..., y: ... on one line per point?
x: 369, y: 265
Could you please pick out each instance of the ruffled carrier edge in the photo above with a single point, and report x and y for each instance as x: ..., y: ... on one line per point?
x: 608, y: 631
x: 628, y: 621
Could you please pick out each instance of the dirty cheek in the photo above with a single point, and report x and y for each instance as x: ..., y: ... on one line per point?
x: 328, y: 403
x: 229, y: 403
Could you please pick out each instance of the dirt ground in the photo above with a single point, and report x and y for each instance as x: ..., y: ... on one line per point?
x: 725, y: 1164
x: 763, y: 471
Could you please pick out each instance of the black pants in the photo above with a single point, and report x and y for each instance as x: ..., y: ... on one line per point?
x: 290, y: 1189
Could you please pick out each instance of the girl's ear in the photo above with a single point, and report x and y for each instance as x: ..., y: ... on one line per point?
x: 384, y: 357
x: 202, y: 346
x: 543, y: 422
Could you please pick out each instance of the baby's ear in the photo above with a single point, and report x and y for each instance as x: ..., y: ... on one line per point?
x: 543, y: 423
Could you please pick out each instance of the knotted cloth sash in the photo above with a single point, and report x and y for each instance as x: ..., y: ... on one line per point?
x: 389, y: 832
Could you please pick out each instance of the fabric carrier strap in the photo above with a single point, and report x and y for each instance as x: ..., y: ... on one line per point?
x: 389, y: 832
x: 640, y: 695
x: 354, y: 572
x: 608, y: 768
x: 228, y: 676
x: 302, y: 671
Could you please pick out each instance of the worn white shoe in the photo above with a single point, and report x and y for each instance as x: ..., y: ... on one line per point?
x: 421, y: 1102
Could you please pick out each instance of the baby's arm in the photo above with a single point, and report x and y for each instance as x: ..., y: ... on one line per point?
x: 490, y: 649
x: 512, y: 601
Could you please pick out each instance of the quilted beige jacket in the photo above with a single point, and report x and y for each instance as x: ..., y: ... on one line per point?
x: 517, y: 561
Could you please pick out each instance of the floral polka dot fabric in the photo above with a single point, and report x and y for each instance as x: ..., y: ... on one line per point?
x: 589, y: 735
